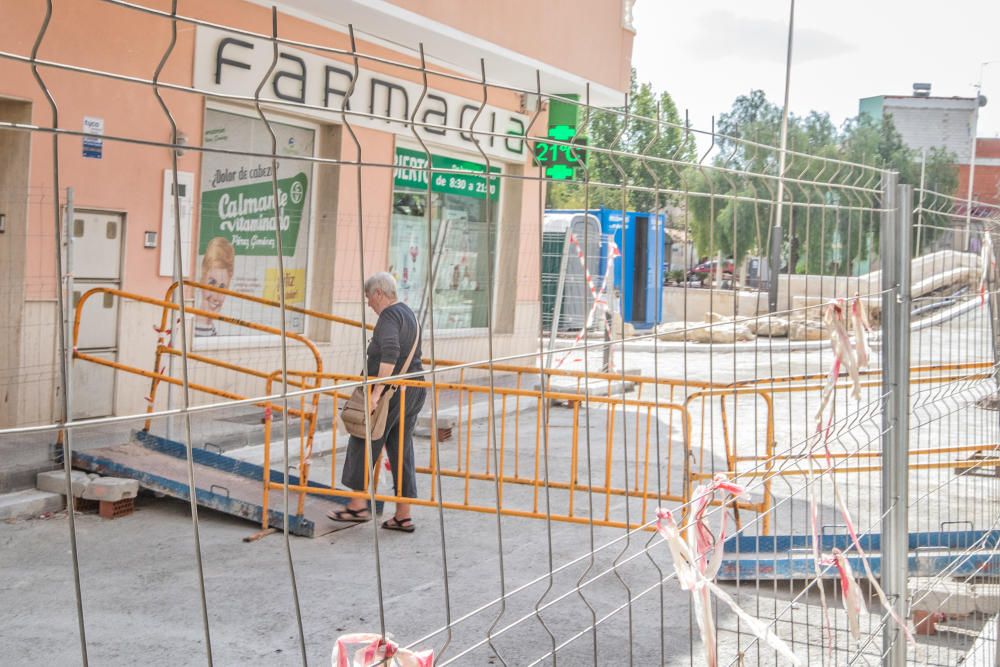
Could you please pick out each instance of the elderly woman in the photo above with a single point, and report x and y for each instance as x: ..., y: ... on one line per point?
x: 395, y: 334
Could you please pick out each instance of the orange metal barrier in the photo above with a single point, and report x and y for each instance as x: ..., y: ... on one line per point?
x: 766, y: 466
x: 157, y: 376
x: 524, y: 465
x: 525, y: 418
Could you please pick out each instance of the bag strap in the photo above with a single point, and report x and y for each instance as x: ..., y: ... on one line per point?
x: 413, y: 349
x: 406, y: 364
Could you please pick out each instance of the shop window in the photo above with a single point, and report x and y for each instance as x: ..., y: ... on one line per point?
x: 458, y: 243
x: 237, y: 248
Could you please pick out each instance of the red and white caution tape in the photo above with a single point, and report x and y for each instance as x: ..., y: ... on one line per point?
x: 872, y: 581
x: 818, y: 561
x: 859, y: 320
x: 852, y: 358
x: 696, y: 572
x: 854, y: 601
x: 600, y: 299
x: 581, y: 257
x: 373, y: 649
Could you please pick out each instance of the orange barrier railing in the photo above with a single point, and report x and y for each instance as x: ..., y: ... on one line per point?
x: 157, y: 376
x: 517, y: 455
x: 523, y: 464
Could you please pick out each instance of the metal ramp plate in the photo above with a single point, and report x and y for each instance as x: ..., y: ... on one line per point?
x: 778, y: 557
x: 222, y: 483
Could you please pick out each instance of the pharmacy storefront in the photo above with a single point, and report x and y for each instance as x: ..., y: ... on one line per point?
x: 448, y: 214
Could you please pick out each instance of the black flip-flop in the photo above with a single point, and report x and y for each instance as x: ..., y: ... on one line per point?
x: 402, y: 525
x: 348, y: 515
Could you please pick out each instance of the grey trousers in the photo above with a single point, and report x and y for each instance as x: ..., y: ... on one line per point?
x: 353, y: 476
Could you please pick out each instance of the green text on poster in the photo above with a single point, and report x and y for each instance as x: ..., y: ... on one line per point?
x: 245, y: 216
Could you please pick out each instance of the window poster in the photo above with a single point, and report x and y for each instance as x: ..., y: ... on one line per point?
x: 237, y: 244
x: 457, y: 248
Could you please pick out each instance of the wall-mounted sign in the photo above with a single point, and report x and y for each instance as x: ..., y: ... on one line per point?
x: 560, y: 160
x: 93, y: 130
x: 232, y: 64
x: 411, y: 172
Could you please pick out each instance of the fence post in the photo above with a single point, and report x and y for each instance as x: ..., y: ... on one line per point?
x: 896, y: 250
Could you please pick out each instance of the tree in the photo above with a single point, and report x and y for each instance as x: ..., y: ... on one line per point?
x: 624, y: 151
x: 731, y: 201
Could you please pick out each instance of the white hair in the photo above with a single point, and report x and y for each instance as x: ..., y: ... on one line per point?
x: 383, y: 282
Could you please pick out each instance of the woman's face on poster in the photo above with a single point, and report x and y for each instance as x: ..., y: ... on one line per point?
x: 217, y: 277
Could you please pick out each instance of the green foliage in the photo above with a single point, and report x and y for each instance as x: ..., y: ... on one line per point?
x: 725, y: 218
x: 731, y: 198
x: 631, y: 138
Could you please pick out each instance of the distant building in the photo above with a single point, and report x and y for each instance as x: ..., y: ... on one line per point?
x: 927, y: 122
x: 986, y: 187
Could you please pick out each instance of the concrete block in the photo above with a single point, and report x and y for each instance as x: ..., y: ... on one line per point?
x: 54, y: 481
x: 983, y: 651
x: 29, y: 503
x: 954, y: 598
x: 806, y: 330
x: 423, y: 426
x: 111, y: 489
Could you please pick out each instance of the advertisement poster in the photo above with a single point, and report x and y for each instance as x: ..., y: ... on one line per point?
x: 237, y: 245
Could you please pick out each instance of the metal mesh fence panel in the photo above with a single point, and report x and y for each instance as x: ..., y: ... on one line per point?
x: 614, y: 464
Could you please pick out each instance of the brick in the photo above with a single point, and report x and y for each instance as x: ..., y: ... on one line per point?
x: 111, y: 489
x: 54, y: 481
x: 116, y: 509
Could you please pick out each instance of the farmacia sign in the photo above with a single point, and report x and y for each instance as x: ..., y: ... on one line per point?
x: 231, y: 64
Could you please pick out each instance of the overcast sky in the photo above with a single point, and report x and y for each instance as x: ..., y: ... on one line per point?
x: 708, y: 52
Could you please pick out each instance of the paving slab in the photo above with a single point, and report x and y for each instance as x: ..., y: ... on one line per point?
x: 29, y: 503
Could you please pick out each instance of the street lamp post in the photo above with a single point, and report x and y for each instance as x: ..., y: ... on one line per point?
x: 972, y: 160
x: 774, y: 257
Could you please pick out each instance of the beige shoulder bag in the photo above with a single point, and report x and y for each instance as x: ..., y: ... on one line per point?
x: 353, y: 413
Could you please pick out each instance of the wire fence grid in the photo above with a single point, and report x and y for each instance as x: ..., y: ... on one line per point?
x: 554, y: 427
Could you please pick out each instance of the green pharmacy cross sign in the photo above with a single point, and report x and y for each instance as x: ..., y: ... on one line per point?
x: 562, y: 132
x: 559, y: 172
x: 560, y: 161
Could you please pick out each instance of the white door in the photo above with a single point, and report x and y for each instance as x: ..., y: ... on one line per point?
x: 95, y: 239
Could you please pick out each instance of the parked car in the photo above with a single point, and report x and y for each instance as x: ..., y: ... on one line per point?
x: 705, y: 272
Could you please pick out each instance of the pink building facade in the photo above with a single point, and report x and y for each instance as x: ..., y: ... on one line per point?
x: 343, y: 179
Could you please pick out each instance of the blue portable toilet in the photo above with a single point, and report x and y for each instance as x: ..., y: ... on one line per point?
x: 639, y: 238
